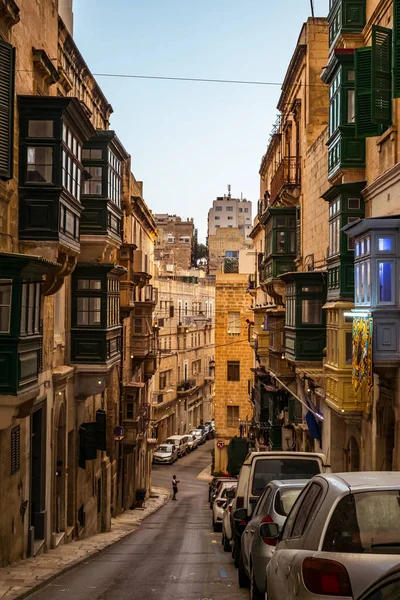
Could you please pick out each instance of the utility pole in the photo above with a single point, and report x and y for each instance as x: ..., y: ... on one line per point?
x: 312, y: 8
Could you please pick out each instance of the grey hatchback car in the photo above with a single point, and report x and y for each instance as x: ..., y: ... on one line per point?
x: 273, y: 506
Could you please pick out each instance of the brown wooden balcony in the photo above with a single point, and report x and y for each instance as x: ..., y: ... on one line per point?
x: 288, y: 175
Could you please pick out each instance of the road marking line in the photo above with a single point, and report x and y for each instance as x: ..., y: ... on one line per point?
x: 213, y: 541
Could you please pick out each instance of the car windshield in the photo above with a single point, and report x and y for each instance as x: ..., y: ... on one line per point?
x: 365, y: 522
x: 282, y: 468
x: 165, y: 449
x: 284, y: 501
x: 173, y: 442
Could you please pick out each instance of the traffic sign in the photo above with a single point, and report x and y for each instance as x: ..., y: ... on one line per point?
x: 119, y: 433
x: 220, y: 444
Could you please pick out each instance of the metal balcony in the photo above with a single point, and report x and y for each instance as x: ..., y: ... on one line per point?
x: 288, y: 175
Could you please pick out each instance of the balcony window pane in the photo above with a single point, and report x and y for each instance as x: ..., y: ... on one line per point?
x: 40, y: 129
x: 5, y: 305
x: 292, y: 242
x: 385, y: 270
x: 353, y: 203
x: 311, y: 312
x: 280, y: 241
x: 385, y: 244
x: 89, y: 284
x: 31, y: 308
x: 94, y: 186
x: 368, y: 282
x: 89, y: 311
x: 93, y: 154
x: 40, y: 164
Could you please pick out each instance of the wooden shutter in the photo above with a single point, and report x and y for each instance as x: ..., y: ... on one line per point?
x: 381, y: 75
x: 15, y: 449
x: 363, y: 66
x: 396, y: 48
x: 7, y: 79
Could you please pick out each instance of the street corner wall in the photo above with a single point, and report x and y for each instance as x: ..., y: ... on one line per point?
x: 14, y: 490
x: 315, y: 210
x: 231, y: 296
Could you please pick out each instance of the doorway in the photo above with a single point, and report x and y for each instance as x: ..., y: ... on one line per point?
x: 38, y: 479
x: 353, y: 455
x: 59, y: 474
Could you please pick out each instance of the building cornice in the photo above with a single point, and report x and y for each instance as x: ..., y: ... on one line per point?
x: 9, y: 11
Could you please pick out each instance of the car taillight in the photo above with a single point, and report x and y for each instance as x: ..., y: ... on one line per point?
x: 326, y: 577
x: 220, y: 503
x: 239, y: 502
x: 268, y: 541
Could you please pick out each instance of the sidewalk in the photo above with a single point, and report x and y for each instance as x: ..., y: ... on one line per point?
x: 23, y: 578
x: 205, y: 475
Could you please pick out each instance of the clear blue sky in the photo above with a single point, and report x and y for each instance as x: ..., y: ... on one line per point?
x: 189, y: 140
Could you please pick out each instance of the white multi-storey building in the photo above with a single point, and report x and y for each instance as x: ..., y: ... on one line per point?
x: 232, y: 213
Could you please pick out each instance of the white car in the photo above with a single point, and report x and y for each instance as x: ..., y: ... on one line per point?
x: 219, y: 505
x: 193, y: 443
x: 341, y: 535
x: 226, y: 525
x: 199, y: 434
x: 165, y: 454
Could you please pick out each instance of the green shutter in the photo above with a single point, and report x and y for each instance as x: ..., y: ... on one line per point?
x: 363, y: 66
x: 396, y: 48
x: 381, y: 75
x: 7, y: 79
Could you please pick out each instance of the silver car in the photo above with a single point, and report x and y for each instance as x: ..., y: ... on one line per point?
x: 165, y: 454
x: 341, y: 535
x: 273, y: 506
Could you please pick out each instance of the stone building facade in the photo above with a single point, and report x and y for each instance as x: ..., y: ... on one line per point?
x: 234, y: 360
x: 230, y: 212
x: 64, y: 194
x: 175, y: 243
x: 225, y: 243
x: 184, y: 382
x: 341, y: 343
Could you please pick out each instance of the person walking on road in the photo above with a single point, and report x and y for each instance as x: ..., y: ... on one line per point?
x: 175, y: 482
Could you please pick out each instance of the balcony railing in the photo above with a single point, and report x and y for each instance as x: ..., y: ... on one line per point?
x: 287, y: 175
x: 185, y: 385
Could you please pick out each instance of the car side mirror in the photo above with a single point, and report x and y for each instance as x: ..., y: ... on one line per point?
x: 230, y: 494
x: 240, y: 514
x: 269, y: 530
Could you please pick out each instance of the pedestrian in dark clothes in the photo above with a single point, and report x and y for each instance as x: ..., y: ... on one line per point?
x: 175, y: 482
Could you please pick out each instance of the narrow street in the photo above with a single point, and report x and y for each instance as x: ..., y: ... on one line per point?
x: 174, y: 555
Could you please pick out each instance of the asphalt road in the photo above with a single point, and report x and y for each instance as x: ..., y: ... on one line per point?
x: 174, y: 554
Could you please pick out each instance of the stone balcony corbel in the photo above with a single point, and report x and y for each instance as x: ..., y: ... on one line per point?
x: 9, y: 11
x: 44, y: 65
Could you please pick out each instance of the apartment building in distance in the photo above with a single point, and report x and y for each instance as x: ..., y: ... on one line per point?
x: 175, y: 243
x: 184, y: 383
x: 230, y: 212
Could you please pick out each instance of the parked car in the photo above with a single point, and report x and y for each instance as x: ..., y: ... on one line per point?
x: 386, y: 588
x: 226, y: 521
x: 181, y: 443
x: 213, y: 485
x: 273, y: 506
x: 165, y: 454
x: 193, y: 442
x: 218, y: 486
x: 342, y: 534
x: 199, y: 433
x: 258, y: 470
x: 220, y: 503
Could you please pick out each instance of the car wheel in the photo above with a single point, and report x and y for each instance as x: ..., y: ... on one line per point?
x: 227, y: 544
x: 244, y: 581
x: 216, y: 526
x: 254, y: 593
